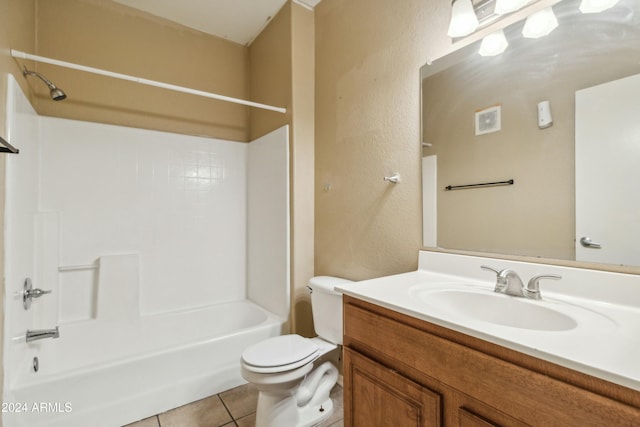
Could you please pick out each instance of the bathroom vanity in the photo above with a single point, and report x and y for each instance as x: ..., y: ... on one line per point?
x: 419, y: 352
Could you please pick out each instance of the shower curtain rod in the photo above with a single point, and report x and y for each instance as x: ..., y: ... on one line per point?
x: 23, y: 55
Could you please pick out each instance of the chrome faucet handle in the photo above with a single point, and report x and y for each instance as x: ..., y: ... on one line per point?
x: 486, y: 267
x: 501, y: 282
x: 533, y: 287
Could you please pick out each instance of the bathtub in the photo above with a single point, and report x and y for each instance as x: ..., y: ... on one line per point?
x: 154, y: 364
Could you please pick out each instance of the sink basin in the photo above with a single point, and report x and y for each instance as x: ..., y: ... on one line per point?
x: 495, y: 308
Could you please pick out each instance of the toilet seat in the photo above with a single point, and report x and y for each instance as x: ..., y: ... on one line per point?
x: 280, y: 354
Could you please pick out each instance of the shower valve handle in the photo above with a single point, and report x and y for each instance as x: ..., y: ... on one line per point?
x: 28, y: 293
x: 37, y: 293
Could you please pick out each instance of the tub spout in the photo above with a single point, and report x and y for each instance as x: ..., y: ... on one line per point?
x: 39, y: 334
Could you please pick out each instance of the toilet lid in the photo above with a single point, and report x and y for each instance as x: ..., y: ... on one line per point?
x: 279, y: 351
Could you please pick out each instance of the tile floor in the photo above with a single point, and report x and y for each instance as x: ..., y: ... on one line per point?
x: 232, y: 408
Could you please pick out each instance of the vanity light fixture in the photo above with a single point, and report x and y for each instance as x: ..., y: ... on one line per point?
x: 493, y: 44
x: 595, y: 6
x: 463, y: 19
x: 507, y: 6
x: 540, y: 24
x: 469, y: 15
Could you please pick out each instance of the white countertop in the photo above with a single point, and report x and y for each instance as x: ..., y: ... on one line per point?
x: 605, y: 343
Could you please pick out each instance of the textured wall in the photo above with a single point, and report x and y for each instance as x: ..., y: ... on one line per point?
x: 368, y: 56
x: 302, y: 162
x: 270, y: 73
x: 113, y: 37
x: 17, y: 31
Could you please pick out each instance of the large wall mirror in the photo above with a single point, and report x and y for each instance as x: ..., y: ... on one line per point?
x: 569, y: 181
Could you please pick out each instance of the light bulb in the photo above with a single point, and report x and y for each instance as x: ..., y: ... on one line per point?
x: 463, y: 19
x: 595, y: 6
x: 540, y: 24
x: 493, y: 44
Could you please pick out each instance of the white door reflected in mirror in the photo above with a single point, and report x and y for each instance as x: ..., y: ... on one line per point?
x: 606, y: 178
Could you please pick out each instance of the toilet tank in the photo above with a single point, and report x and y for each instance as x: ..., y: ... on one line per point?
x: 326, y: 305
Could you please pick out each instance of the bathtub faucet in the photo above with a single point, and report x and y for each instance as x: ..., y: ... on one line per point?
x: 39, y: 334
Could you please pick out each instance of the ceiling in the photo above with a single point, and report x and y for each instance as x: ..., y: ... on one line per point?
x: 239, y: 21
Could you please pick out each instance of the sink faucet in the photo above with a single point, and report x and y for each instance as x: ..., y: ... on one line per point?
x: 507, y: 282
x: 511, y: 284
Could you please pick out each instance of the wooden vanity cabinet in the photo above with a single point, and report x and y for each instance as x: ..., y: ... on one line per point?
x: 403, y: 371
x: 387, y: 398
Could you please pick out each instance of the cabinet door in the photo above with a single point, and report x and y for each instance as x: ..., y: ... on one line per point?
x: 378, y: 396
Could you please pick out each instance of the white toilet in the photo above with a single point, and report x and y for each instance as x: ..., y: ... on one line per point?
x: 291, y: 392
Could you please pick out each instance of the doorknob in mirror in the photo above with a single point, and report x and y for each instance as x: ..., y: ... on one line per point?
x: 587, y: 243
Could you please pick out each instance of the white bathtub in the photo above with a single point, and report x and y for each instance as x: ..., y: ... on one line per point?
x: 89, y: 378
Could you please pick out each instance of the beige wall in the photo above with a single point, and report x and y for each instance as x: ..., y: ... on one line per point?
x: 302, y: 162
x: 17, y: 31
x: 113, y: 37
x: 368, y: 56
x: 281, y: 64
x: 270, y: 73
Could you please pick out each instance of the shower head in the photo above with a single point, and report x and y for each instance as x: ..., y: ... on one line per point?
x: 56, y: 93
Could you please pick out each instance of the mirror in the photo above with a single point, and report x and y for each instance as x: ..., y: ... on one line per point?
x: 480, y: 124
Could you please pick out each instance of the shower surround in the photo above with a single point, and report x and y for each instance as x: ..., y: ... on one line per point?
x: 166, y: 256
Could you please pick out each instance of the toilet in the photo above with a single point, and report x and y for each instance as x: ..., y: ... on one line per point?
x: 293, y: 391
